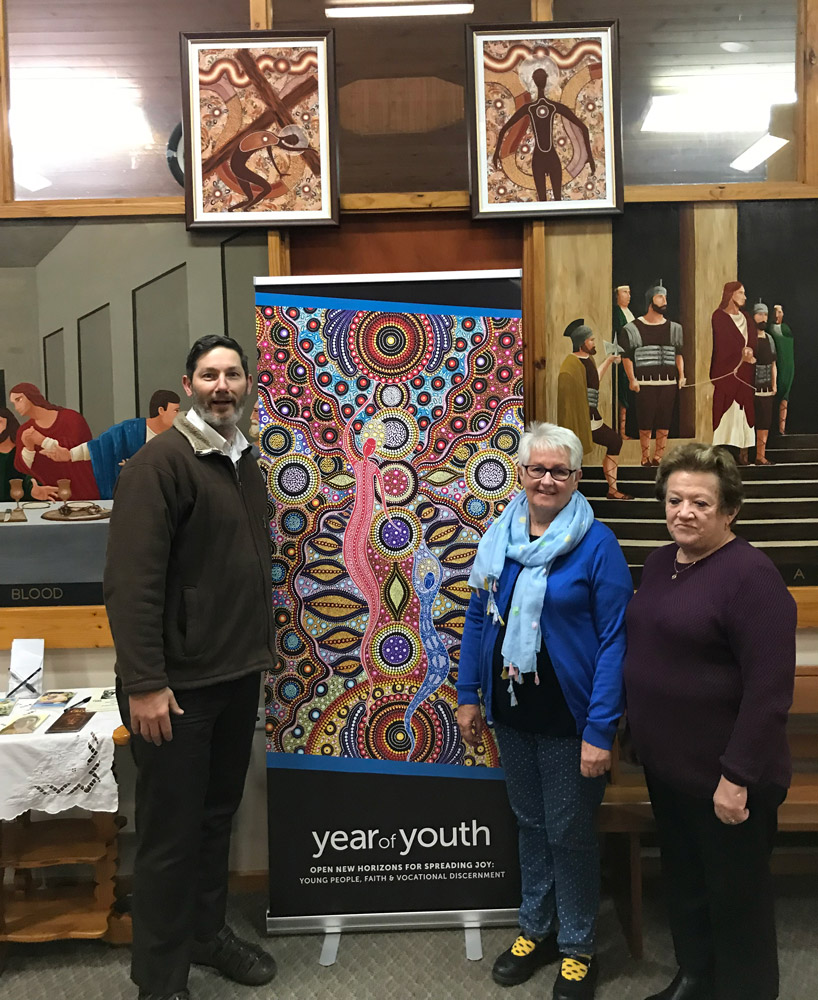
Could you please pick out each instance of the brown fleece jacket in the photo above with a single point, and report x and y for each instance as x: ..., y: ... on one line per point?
x: 188, y: 578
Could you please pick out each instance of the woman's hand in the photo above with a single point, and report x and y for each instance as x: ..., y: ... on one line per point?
x: 594, y: 761
x: 730, y: 802
x: 470, y: 722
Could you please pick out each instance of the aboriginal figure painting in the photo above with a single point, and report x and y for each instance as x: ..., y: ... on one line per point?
x: 388, y: 436
x: 544, y: 128
x: 258, y: 142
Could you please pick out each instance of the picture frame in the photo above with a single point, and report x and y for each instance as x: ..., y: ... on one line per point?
x: 567, y: 75
x: 274, y: 94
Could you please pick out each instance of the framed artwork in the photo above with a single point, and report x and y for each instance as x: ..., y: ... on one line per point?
x: 543, y: 114
x: 259, y: 123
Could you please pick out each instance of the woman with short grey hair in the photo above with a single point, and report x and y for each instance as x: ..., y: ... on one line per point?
x: 550, y: 437
x: 543, y: 644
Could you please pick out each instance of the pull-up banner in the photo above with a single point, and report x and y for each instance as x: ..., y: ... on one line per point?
x: 390, y: 413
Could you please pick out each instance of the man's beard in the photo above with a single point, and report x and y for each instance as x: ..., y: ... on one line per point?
x: 762, y: 325
x: 659, y: 309
x: 219, y: 421
x: 591, y: 351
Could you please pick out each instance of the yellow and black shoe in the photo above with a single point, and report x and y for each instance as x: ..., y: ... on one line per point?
x: 577, y: 978
x: 519, y: 962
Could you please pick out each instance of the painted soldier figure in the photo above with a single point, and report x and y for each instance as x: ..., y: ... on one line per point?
x: 654, y: 365
x: 626, y: 405
x: 578, y: 401
x: 785, y: 362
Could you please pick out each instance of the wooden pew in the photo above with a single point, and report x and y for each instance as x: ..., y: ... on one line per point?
x: 626, y: 813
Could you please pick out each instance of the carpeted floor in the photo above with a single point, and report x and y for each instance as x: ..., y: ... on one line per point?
x: 412, y: 965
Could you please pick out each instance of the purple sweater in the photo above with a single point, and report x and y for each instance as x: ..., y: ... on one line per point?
x: 710, y: 669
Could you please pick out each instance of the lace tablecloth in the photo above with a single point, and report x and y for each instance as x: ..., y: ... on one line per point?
x: 52, y: 772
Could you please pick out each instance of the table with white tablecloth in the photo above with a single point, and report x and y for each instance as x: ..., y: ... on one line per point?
x: 53, y: 772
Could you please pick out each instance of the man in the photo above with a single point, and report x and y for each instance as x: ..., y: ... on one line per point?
x: 578, y: 401
x: 622, y: 315
x: 188, y: 594
x: 785, y: 360
x: 655, y: 368
x: 734, y: 341
x: 766, y: 382
x: 41, y: 420
x: 112, y: 449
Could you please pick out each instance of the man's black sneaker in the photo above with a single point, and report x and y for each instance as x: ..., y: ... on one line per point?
x: 576, y: 979
x: 523, y: 958
x: 239, y: 960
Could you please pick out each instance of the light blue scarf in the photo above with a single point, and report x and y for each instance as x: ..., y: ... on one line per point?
x: 508, y: 538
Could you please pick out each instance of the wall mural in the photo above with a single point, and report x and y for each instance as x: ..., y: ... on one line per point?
x: 389, y: 434
x: 48, y: 445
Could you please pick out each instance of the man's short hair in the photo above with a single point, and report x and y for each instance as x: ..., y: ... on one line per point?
x: 209, y: 343
x: 161, y: 400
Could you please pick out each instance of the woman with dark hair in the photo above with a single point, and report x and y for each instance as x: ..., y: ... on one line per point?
x: 709, y: 678
x: 32, y: 490
x: 47, y: 423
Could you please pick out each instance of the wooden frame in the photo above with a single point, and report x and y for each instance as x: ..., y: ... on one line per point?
x: 500, y: 186
x: 308, y: 148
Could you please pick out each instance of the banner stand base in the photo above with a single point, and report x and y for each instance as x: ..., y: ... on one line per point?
x: 332, y: 941
x: 335, y: 924
x: 474, y: 944
x: 329, y: 949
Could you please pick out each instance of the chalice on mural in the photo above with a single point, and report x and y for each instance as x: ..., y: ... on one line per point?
x: 64, y: 493
x: 16, y: 492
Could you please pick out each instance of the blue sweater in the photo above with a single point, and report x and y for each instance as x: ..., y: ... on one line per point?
x: 583, y: 628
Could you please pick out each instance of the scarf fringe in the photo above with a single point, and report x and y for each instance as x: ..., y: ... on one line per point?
x: 491, y: 604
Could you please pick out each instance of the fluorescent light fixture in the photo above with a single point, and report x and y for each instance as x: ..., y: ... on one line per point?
x: 401, y: 10
x: 762, y: 149
x: 734, y: 46
x: 719, y: 103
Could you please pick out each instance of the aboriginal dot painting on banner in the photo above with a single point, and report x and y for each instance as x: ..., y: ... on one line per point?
x: 389, y: 432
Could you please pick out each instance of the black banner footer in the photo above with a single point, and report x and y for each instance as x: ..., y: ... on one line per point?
x: 360, y: 843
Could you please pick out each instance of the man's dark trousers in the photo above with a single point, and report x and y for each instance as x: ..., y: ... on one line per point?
x: 187, y: 791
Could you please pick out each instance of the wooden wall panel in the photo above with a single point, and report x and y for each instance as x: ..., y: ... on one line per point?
x: 534, y: 322
x: 438, y: 242
x: 709, y: 241
x: 65, y: 627
x: 577, y: 279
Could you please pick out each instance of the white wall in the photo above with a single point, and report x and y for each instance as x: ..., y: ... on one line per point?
x: 20, y: 342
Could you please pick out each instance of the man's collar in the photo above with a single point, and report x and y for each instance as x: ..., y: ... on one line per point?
x: 209, y: 438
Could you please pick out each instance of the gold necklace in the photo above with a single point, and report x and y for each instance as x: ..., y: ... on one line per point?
x: 677, y: 569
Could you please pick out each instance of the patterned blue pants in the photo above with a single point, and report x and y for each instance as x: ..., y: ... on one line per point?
x: 559, y: 851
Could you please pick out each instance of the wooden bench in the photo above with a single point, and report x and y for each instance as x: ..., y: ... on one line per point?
x: 626, y: 812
